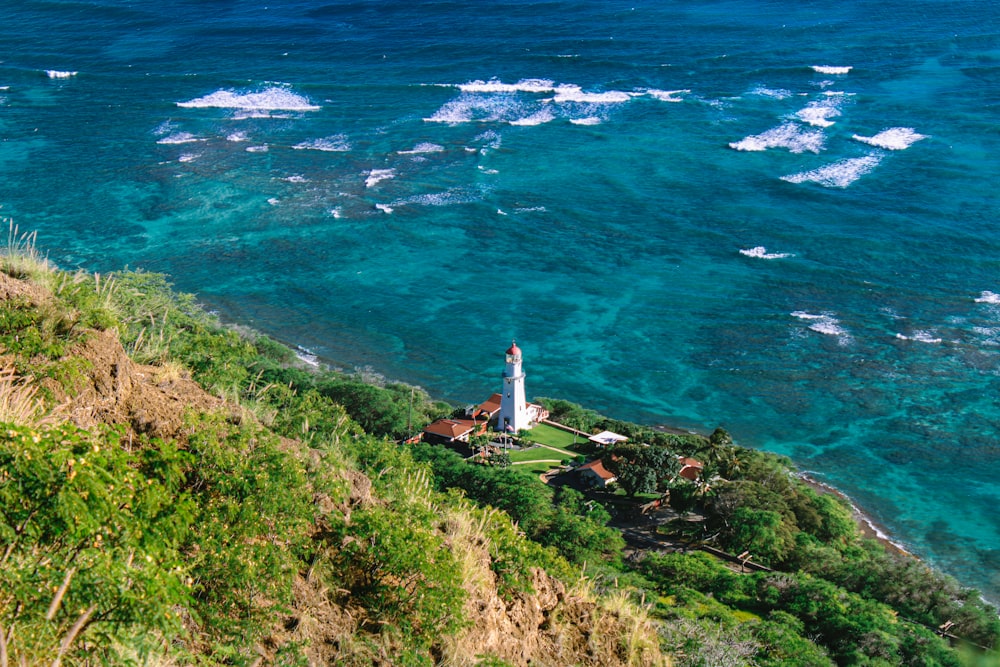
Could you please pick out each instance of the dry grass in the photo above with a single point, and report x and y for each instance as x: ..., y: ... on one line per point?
x: 21, y: 258
x: 20, y: 403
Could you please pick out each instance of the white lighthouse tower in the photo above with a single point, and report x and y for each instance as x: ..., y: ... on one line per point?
x: 513, y: 415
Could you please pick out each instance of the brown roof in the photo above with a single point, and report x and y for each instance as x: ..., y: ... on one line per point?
x: 451, y: 428
x: 491, y: 405
x: 690, y: 468
x: 598, y: 468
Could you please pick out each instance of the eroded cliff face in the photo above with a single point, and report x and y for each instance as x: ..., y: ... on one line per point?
x: 550, y: 625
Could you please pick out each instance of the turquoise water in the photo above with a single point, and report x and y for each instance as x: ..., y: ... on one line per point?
x: 776, y: 216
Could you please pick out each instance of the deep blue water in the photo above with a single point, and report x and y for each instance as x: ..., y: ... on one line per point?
x: 407, y: 186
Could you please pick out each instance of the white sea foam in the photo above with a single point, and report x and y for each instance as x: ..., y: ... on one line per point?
x: 761, y: 252
x: 337, y: 212
x: 490, y: 139
x: 668, y: 95
x: 296, y: 178
x: 824, y: 323
x: 188, y: 157
x: 59, y: 74
x: 893, y: 138
x: 447, y: 198
x: 989, y: 297
x: 337, y: 143
x: 179, y: 138
x: 384, y: 208
x: 920, y: 337
x: 774, y: 93
x: 831, y: 69
x: 307, y: 356
x: 840, y: 174
x: 790, y: 135
x: 570, y: 93
x: 273, y: 201
x: 270, y: 99
x: 497, y: 86
x: 376, y: 176
x: 468, y: 108
x: 236, y: 136
x: 819, y: 112
x: 262, y: 148
x: 589, y: 120
x: 423, y: 147
x: 543, y: 115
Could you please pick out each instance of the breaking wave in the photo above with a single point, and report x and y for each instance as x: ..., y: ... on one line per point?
x: 789, y: 135
x: 840, y: 174
x: 893, y: 138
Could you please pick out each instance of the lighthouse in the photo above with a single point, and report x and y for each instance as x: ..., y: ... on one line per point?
x: 513, y: 415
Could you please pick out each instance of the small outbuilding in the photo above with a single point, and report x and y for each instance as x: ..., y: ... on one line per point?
x: 607, y: 439
x: 594, y: 473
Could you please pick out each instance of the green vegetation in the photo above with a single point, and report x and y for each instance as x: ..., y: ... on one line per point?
x: 285, y: 525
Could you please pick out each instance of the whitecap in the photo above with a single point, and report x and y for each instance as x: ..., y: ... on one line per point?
x: 540, y: 117
x: 296, y: 178
x: 839, y: 174
x: 667, y: 95
x: 819, y: 112
x: 337, y: 143
x: 188, y: 157
x: 589, y: 120
x: 273, y: 201
x: 423, y: 147
x: 376, y: 176
x: 236, y: 136
x: 483, y: 108
x: 179, y: 138
x: 790, y: 136
x: 384, y: 208
x: 571, y: 93
x: 773, y: 93
x: 269, y: 99
x: 337, y: 213
x: 497, y: 86
x: 831, y: 69
x: 991, y: 298
x: 59, y: 74
x: 761, y: 252
x: 920, y: 337
x: 446, y: 198
x: 893, y: 138
x: 824, y: 323
x: 263, y: 148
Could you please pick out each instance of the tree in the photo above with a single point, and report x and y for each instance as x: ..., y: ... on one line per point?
x: 641, y: 468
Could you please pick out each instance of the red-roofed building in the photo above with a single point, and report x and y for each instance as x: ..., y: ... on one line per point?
x: 489, y: 408
x: 446, y: 431
x: 595, y: 474
x: 691, y: 468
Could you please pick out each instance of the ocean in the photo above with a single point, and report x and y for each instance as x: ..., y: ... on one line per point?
x: 776, y: 216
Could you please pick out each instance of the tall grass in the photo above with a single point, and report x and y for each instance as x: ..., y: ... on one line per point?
x: 20, y: 403
x: 21, y: 258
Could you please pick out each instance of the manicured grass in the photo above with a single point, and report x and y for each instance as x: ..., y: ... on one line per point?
x: 554, y: 437
x: 536, y: 454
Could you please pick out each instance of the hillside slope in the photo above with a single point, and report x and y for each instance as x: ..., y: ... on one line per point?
x: 148, y: 519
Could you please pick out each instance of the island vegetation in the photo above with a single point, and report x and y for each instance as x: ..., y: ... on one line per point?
x: 176, y: 491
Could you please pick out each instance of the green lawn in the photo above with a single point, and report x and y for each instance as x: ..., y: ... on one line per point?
x: 554, y: 437
x: 536, y: 454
